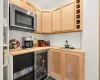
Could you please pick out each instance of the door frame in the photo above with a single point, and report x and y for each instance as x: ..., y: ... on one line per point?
x: 99, y: 39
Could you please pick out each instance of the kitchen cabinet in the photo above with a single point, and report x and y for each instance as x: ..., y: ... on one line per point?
x: 46, y: 22
x: 68, y: 16
x: 20, y: 3
x: 24, y: 4
x: 56, y: 63
x: 30, y: 7
x: 73, y: 65
x: 79, y: 15
x: 38, y: 13
x: 56, y: 20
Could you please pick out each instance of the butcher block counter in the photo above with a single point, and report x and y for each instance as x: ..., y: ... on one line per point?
x: 23, y: 51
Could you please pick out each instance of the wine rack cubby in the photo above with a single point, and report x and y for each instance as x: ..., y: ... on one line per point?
x: 78, y: 15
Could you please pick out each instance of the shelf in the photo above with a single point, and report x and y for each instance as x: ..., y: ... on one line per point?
x: 77, y: 13
x: 5, y: 26
x: 78, y: 9
x: 77, y: 3
x: 78, y: 19
x: 5, y: 65
x: 77, y: 24
x: 5, y: 45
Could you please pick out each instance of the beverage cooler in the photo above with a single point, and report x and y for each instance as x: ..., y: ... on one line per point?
x: 41, y: 65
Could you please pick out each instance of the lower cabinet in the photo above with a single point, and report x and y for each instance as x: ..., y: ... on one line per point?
x: 73, y: 65
x: 67, y: 65
x: 56, y: 63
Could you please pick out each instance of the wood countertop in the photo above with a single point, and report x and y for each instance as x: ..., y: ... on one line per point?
x: 24, y: 51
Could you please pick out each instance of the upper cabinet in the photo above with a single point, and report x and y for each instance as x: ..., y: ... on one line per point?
x: 24, y: 4
x: 38, y: 13
x: 30, y: 7
x: 68, y: 16
x: 20, y: 3
x: 56, y: 20
x: 46, y: 22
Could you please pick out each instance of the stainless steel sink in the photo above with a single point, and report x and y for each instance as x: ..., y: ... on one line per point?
x: 64, y: 48
x: 67, y: 48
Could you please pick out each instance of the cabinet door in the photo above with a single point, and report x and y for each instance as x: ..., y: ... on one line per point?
x: 56, y: 63
x: 20, y: 3
x: 38, y: 13
x: 73, y: 66
x: 56, y: 20
x: 68, y: 16
x: 30, y: 7
x: 46, y: 22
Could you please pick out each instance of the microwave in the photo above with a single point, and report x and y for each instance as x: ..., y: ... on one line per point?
x: 21, y: 19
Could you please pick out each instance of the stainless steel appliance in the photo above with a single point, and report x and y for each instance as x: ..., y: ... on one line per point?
x: 23, y: 67
x: 27, y: 42
x: 41, y: 65
x: 21, y: 19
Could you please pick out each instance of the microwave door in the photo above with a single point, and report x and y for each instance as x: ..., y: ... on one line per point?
x: 21, y: 18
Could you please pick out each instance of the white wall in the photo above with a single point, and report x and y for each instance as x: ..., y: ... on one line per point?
x: 90, y: 39
x: 19, y: 34
x: 74, y: 39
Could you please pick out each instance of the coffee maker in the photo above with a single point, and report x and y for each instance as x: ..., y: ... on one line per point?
x: 27, y: 42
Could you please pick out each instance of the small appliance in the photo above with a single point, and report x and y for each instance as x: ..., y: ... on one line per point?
x: 21, y: 19
x: 41, y: 43
x: 47, y: 43
x: 14, y: 44
x: 27, y: 42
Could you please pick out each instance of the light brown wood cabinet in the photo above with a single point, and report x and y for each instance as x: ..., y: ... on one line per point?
x: 20, y: 3
x: 68, y: 16
x: 24, y: 4
x: 73, y: 66
x: 67, y: 65
x: 56, y: 63
x: 30, y: 7
x: 46, y: 22
x: 56, y: 20
x: 39, y: 24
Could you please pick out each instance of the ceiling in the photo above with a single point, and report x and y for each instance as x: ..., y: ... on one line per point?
x: 48, y: 4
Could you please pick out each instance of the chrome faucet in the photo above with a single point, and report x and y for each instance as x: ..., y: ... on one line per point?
x: 67, y: 46
x: 66, y: 42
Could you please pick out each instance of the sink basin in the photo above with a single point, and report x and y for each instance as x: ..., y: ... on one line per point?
x: 68, y: 48
x: 64, y: 48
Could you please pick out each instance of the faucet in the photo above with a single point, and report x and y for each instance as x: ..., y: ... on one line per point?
x: 66, y: 42
x: 67, y: 46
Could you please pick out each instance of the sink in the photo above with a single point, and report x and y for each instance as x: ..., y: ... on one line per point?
x: 67, y: 48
